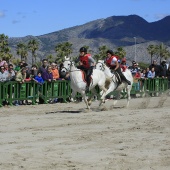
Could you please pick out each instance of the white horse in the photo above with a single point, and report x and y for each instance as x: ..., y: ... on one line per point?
x: 79, y: 85
x: 113, y: 82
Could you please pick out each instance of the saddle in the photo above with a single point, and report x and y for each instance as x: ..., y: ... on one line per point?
x: 118, y: 78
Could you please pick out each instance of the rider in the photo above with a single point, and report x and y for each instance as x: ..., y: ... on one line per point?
x: 86, y: 63
x: 112, y: 63
x: 123, y: 64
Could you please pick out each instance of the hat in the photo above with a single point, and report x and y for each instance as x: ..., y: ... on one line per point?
x: 133, y: 62
x: 123, y: 59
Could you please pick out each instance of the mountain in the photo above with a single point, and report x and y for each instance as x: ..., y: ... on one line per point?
x: 114, y: 31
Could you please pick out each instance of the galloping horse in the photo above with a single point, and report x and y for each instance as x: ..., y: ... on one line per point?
x: 113, y: 81
x: 79, y: 85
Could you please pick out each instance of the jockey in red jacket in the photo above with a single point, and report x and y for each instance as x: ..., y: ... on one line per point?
x: 123, y: 65
x: 112, y: 63
x: 86, y: 64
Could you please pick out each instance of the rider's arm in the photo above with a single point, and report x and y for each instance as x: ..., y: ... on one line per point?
x: 92, y: 61
x: 117, y: 65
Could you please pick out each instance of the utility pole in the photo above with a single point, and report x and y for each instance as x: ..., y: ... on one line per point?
x: 135, y: 48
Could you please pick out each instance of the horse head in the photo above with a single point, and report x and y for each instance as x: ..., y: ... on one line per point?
x: 67, y: 64
x: 100, y: 65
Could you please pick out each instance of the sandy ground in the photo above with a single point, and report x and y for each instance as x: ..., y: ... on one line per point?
x: 68, y: 137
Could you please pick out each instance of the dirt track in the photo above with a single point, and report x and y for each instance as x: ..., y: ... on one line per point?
x: 67, y: 136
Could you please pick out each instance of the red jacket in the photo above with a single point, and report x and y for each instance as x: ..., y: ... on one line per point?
x: 109, y: 61
x: 85, y: 60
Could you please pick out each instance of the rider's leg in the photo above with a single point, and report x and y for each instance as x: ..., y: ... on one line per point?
x: 122, y: 76
x: 89, y: 73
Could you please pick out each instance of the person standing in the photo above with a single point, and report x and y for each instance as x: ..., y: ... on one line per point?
x: 112, y: 62
x: 86, y: 63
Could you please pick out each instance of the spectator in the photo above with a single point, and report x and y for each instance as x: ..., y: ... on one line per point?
x: 3, y: 74
x: 39, y: 80
x: 11, y: 73
x: 137, y: 77
x: 2, y: 62
x: 151, y: 73
x: 21, y: 75
x: 55, y: 71
x: 47, y: 75
x: 144, y: 74
x: 6, y: 66
x: 3, y: 78
x: 143, y: 78
x: 33, y: 71
x: 168, y: 76
x: 20, y: 78
x: 133, y: 68
x: 163, y: 69
x: 43, y: 68
x: 18, y: 67
x: 156, y: 68
x: 11, y: 77
x: 28, y: 73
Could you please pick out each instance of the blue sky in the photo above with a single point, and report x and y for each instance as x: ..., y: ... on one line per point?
x: 20, y: 18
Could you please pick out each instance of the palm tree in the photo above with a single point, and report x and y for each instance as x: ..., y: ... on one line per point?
x: 4, y: 48
x: 22, y: 51
x: 151, y: 50
x: 120, y: 52
x: 33, y: 45
x: 50, y: 58
x: 102, y: 53
x: 63, y: 49
x: 161, y: 51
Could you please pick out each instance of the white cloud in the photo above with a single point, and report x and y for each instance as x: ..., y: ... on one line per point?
x: 15, y: 21
x: 2, y: 14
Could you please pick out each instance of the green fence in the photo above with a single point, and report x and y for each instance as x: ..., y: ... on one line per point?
x: 13, y: 91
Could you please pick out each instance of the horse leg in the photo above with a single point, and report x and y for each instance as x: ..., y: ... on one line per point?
x: 128, y: 89
x: 85, y: 99
x: 73, y: 94
x: 93, y: 93
x: 103, y: 95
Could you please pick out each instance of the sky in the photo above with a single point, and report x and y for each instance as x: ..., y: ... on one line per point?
x: 19, y: 18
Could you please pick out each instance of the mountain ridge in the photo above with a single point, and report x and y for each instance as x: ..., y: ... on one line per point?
x: 114, y: 31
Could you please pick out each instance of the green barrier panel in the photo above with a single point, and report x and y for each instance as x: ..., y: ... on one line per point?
x: 12, y: 91
x: 1, y: 93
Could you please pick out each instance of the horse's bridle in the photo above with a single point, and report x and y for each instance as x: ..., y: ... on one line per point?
x: 68, y: 70
x: 102, y: 68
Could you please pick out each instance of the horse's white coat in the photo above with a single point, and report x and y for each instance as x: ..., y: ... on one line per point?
x: 78, y: 85
x: 113, y: 83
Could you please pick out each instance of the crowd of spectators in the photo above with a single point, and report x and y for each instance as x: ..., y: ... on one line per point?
x: 52, y: 72
x: 154, y: 70
x: 23, y: 73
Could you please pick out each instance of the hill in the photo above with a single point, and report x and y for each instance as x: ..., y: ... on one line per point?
x: 113, y: 32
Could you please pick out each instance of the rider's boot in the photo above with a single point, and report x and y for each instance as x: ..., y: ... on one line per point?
x: 87, y: 86
x: 128, y: 82
x: 87, y: 89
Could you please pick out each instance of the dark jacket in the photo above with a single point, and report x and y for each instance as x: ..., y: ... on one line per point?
x: 46, y: 76
x: 157, y: 69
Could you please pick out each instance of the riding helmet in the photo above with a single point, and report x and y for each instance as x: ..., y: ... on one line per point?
x: 83, y: 49
x: 110, y: 52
